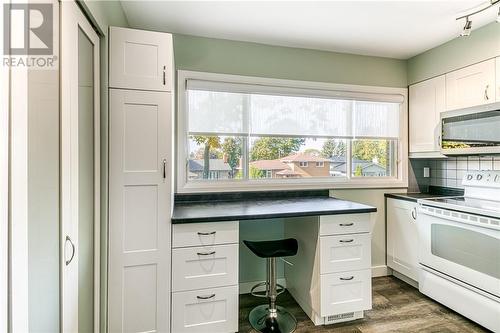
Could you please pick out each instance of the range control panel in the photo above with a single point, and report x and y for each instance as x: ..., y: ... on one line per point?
x: 482, y: 179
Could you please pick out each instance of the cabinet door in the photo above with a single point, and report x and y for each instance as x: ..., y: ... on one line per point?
x: 471, y: 86
x: 205, y: 310
x: 139, y: 211
x: 426, y: 102
x: 346, y: 292
x: 402, y: 237
x: 498, y: 78
x: 140, y: 59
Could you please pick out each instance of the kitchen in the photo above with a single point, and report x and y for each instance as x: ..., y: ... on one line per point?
x: 253, y: 166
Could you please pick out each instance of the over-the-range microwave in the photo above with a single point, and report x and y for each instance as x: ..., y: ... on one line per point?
x: 474, y: 130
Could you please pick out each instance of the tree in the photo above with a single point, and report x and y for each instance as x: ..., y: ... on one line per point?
x: 209, y: 142
x: 358, y: 171
x: 256, y: 173
x: 231, y: 147
x: 332, y: 148
x: 269, y: 148
x: 371, y: 150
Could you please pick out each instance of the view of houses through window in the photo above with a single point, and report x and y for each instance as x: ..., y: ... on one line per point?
x: 222, y: 157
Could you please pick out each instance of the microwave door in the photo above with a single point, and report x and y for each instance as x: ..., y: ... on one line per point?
x: 471, y: 133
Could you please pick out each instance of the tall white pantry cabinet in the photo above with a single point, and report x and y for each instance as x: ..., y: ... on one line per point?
x: 140, y: 180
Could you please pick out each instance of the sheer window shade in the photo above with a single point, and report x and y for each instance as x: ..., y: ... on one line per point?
x: 256, y: 110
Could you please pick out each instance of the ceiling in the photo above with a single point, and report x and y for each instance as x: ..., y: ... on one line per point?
x: 395, y: 29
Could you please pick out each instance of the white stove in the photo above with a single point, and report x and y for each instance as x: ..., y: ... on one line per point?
x: 459, y: 252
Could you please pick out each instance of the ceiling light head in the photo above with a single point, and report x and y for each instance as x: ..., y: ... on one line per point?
x: 467, y: 28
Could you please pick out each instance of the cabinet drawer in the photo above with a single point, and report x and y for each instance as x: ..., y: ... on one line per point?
x: 204, y: 234
x: 346, y: 292
x: 344, y: 224
x: 345, y: 253
x: 204, y: 267
x: 206, y: 310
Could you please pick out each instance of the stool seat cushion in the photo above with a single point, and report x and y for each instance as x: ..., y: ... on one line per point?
x: 273, y: 248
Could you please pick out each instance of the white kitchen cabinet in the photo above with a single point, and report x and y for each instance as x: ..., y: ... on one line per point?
x: 331, y: 274
x: 497, y: 66
x: 426, y: 102
x: 213, y: 310
x: 205, y: 257
x: 140, y: 187
x: 402, y: 237
x: 140, y: 59
x: 471, y: 86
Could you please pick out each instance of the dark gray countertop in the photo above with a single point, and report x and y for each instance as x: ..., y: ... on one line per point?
x: 250, y: 209
x: 412, y: 196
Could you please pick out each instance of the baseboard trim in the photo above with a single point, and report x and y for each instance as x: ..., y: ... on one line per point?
x: 406, y: 279
x: 245, y: 287
x: 381, y: 270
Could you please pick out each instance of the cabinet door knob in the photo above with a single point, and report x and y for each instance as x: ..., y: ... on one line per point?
x: 346, y: 224
x: 414, y: 213
x: 164, y: 79
x: 486, y: 97
x: 205, y: 253
x: 68, y: 239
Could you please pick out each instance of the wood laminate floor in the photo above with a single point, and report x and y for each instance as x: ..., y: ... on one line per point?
x: 397, y: 307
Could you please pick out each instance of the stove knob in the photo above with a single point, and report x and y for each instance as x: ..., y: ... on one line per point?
x: 479, y: 177
x: 469, y: 177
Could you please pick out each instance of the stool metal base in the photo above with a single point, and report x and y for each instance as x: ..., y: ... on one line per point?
x: 278, y: 321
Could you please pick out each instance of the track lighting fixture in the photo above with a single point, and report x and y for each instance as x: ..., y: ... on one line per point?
x: 468, y: 23
x: 467, y: 28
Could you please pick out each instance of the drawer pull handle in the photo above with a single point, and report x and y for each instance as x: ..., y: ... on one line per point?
x: 347, y: 278
x: 206, y: 253
x: 206, y: 233
x: 346, y: 224
x: 206, y: 297
x: 346, y: 240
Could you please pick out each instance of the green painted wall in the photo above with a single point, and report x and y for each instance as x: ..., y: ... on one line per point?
x: 104, y: 14
x: 482, y: 44
x: 244, y: 58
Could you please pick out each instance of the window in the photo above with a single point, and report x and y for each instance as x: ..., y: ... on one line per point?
x: 245, y: 132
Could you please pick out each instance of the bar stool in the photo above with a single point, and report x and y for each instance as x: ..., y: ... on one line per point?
x: 271, y: 317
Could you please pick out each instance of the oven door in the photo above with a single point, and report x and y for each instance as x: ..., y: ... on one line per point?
x: 462, y: 251
x: 471, y: 131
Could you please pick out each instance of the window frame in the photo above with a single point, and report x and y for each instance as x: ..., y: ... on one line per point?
x: 320, y: 164
x: 303, y: 164
x: 183, y: 185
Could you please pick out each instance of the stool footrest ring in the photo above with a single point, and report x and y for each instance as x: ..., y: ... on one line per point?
x: 279, y: 290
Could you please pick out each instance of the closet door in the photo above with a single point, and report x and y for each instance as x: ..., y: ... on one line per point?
x: 139, y: 211
x: 140, y: 60
x: 80, y: 171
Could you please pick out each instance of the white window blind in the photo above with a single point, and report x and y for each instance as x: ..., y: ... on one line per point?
x: 257, y: 110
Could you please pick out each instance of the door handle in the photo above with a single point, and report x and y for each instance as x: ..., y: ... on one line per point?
x: 346, y: 224
x: 414, y: 213
x: 206, y: 297
x: 486, y: 97
x: 205, y: 253
x: 164, y: 168
x: 68, y: 239
x: 206, y: 233
x: 164, y: 80
x: 346, y: 240
x: 347, y: 278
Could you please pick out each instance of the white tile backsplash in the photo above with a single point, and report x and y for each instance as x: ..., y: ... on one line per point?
x: 449, y: 172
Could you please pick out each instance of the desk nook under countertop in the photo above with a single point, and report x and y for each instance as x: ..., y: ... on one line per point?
x: 329, y: 277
